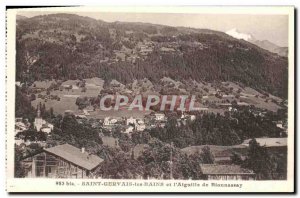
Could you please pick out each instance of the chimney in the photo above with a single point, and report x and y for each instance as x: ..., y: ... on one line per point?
x: 82, y: 150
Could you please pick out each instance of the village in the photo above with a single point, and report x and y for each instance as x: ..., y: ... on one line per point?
x: 68, y: 161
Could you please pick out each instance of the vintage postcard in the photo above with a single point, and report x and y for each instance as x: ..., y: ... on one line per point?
x: 150, y: 99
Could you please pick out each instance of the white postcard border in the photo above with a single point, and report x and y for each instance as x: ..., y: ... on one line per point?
x: 50, y: 185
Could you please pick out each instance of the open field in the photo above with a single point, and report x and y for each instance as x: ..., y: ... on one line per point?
x: 110, y: 141
x: 68, y: 97
x: 59, y: 107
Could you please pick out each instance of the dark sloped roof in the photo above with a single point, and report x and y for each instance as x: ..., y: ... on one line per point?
x: 211, y: 169
x: 75, y: 156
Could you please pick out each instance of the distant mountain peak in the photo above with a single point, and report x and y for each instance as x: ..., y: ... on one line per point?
x: 238, y: 35
x: 265, y: 44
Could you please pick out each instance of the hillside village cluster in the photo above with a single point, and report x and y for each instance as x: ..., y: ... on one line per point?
x: 67, y: 161
x: 129, y: 124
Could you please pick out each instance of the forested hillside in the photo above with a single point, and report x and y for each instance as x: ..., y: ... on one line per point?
x: 67, y: 46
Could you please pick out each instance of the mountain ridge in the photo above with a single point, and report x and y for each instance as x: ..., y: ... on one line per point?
x: 64, y: 46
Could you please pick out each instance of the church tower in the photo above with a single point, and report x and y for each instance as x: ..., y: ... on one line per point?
x: 38, y: 121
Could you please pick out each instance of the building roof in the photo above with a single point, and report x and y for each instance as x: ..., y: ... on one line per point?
x: 75, y: 156
x: 268, y: 142
x: 214, y: 169
x: 217, y: 151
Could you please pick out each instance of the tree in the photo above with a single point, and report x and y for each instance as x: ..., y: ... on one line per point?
x: 19, y: 169
x: 51, y: 112
x: 32, y: 97
x: 23, y: 106
x: 165, y: 161
x: 80, y: 135
x: 172, y: 129
x: 259, y: 161
x: 82, y: 102
x: 121, y: 166
x: 206, y: 156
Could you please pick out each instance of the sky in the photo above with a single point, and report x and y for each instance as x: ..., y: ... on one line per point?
x: 263, y: 27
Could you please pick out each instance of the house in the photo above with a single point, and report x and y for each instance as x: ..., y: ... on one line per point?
x: 80, y: 116
x: 193, y: 117
x: 242, y: 104
x: 183, y: 116
x: 19, y: 119
x: 228, y: 96
x: 69, y: 112
x: 129, y: 129
x: 130, y: 120
x: 63, y: 161
x: 225, y: 105
x: 137, y: 124
x: 226, y: 172
x: 140, y: 121
x: 279, y: 124
x: 187, y: 116
x: 203, y: 109
x: 86, y: 111
x: 231, y: 109
x: 109, y: 121
x: 161, y: 124
x: 47, y: 128
x: 51, y: 126
x: 181, y: 122
x: 167, y: 49
x: 159, y: 116
x: 18, y: 83
x: 140, y: 127
x: 20, y: 126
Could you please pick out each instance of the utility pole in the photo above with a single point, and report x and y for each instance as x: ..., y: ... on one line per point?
x: 171, y: 162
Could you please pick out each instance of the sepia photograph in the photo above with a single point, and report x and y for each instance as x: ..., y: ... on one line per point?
x: 146, y: 99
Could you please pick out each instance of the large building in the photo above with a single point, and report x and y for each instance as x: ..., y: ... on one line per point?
x: 63, y: 161
x: 226, y: 172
